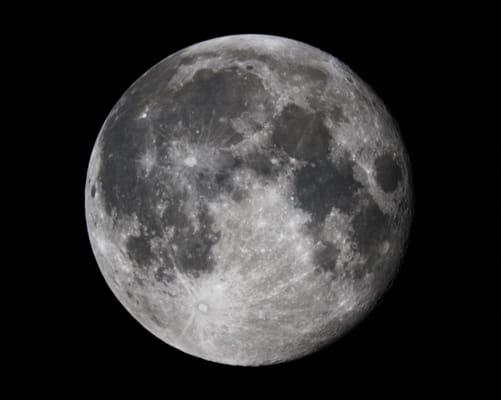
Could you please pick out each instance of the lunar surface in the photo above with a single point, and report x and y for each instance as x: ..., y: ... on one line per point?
x: 248, y: 199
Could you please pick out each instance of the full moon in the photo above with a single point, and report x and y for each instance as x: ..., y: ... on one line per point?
x: 249, y: 199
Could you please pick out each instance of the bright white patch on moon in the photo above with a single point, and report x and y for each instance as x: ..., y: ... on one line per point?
x: 203, y: 307
x: 248, y: 199
x: 190, y: 161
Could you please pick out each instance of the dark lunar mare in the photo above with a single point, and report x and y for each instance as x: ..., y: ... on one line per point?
x: 321, y: 185
x: 300, y: 134
x: 388, y: 173
x: 209, y: 95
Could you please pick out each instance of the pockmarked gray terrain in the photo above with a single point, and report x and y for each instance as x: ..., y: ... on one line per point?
x: 249, y: 199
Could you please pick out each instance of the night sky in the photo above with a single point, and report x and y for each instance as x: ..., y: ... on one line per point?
x: 434, y: 332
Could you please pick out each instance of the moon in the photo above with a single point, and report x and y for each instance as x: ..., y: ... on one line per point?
x: 248, y: 199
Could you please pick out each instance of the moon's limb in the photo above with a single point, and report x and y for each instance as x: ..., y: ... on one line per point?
x: 248, y: 199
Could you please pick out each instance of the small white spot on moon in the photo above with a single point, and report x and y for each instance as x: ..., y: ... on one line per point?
x: 190, y: 161
x: 368, y: 170
x: 147, y: 161
x: 144, y: 114
x: 202, y: 307
x: 102, y: 245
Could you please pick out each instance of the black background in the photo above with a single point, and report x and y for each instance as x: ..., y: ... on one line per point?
x: 435, y: 330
